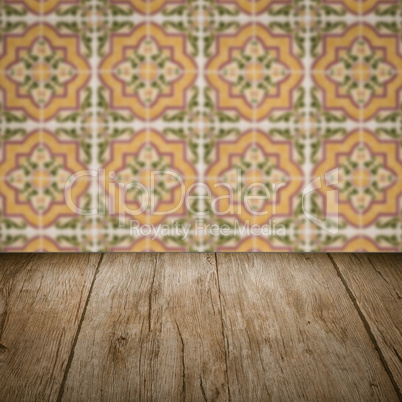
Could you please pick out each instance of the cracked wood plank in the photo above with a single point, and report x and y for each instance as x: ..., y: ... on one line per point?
x: 152, y: 331
x: 42, y: 298
x: 375, y: 281
x: 292, y: 332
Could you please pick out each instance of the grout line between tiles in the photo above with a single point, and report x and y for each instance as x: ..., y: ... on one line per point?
x: 41, y: 125
x: 95, y: 129
x: 307, y: 164
x: 201, y: 126
x: 255, y: 117
x: 361, y: 110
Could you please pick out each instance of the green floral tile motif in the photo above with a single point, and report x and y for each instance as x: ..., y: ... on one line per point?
x: 272, y: 125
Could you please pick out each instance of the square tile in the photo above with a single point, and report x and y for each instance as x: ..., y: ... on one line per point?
x: 253, y: 73
x: 44, y: 72
x: 43, y: 181
x: 148, y: 72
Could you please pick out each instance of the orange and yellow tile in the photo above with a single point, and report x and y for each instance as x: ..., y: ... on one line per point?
x: 36, y: 178
x: 160, y: 170
x: 369, y: 177
x: 359, y: 72
x: 254, y: 72
x: 144, y: 75
x: 240, y: 170
x: 42, y: 72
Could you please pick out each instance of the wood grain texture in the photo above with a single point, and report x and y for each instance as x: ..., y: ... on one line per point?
x: 293, y: 333
x: 42, y: 298
x: 375, y: 281
x: 152, y: 331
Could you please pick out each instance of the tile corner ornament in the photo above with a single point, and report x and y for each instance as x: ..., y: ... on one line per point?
x: 200, y: 125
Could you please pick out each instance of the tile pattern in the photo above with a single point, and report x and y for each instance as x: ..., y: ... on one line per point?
x: 276, y: 91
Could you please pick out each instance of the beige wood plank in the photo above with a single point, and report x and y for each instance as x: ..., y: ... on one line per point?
x: 42, y: 298
x: 375, y: 281
x: 292, y: 332
x: 152, y: 331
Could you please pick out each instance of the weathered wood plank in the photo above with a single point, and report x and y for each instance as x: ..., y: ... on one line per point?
x: 152, y: 331
x: 42, y: 298
x: 375, y: 281
x: 292, y: 332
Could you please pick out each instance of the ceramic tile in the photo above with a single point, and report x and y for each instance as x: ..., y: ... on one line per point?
x: 300, y: 99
